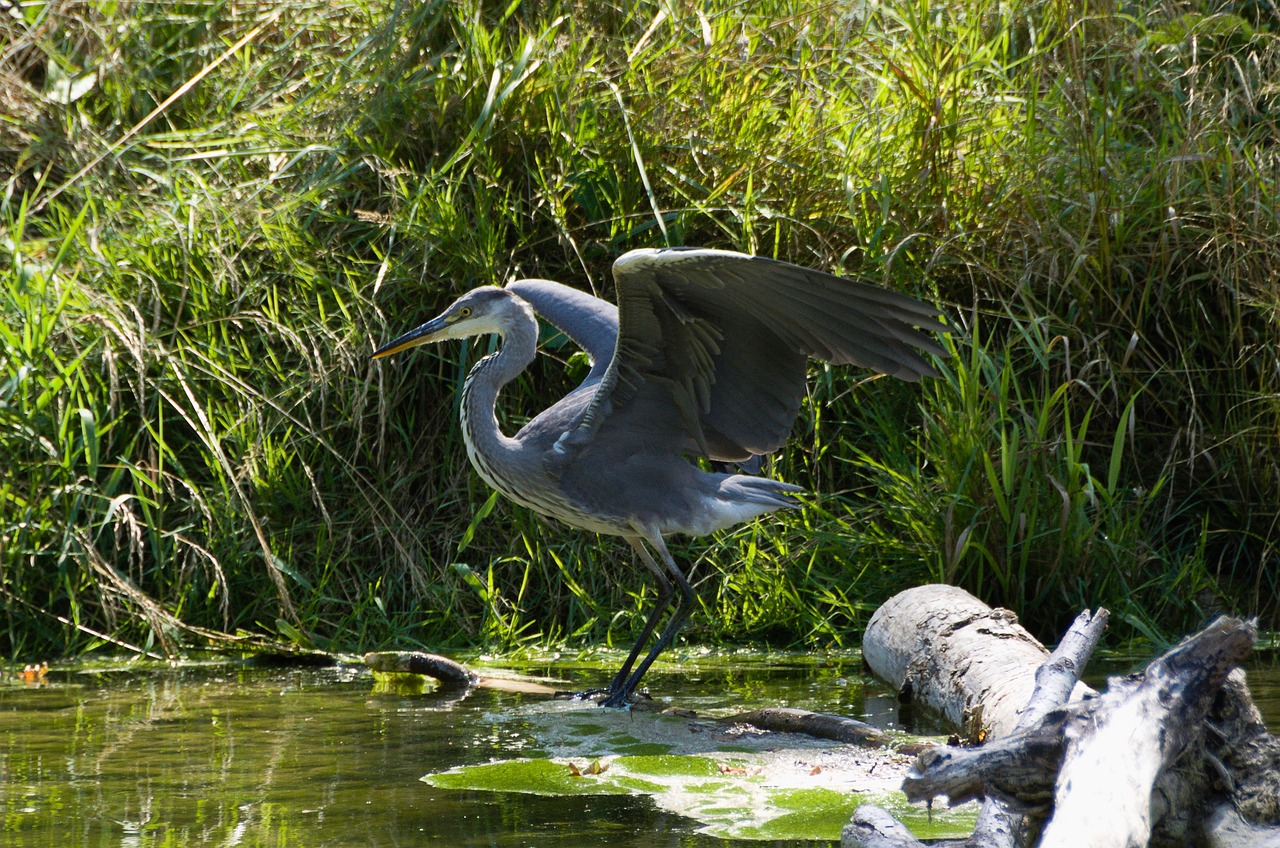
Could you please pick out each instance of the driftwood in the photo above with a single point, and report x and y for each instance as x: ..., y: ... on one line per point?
x: 1133, y: 734
x: 1174, y: 756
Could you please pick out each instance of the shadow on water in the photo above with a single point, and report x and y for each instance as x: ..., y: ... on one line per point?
x: 238, y: 755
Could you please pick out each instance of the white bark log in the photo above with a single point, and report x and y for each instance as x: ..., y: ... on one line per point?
x: 998, y: 825
x: 944, y: 648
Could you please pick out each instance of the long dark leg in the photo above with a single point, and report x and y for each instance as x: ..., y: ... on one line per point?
x: 664, y: 601
x: 619, y: 695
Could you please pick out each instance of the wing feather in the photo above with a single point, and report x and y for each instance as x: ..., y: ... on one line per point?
x: 712, y: 347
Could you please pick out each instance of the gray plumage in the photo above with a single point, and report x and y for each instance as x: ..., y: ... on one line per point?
x: 704, y: 356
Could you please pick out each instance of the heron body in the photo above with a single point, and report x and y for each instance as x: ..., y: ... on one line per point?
x: 705, y: 356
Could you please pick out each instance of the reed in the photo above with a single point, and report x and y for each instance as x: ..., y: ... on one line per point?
x: 194, y: 441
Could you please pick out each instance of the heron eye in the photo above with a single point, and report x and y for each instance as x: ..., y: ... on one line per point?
x: 464, y: 312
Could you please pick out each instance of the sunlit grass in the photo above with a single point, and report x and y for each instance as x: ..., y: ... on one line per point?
x: 193, y: 436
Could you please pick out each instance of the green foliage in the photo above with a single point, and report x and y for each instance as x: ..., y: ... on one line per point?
x: 192, y: 436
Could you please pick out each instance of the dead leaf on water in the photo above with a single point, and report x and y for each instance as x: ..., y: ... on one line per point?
x: 34, y: 674
x: 594, y: 768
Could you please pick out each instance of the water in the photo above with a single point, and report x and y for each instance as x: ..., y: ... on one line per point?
x: 239, y: 755
x: 231, y: 755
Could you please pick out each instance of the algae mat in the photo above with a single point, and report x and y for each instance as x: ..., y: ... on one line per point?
x: 737, y: 782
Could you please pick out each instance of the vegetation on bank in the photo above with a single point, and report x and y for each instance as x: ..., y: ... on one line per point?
x: 193, y: 438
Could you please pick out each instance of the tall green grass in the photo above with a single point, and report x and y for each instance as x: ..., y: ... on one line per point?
x: 195, y: 443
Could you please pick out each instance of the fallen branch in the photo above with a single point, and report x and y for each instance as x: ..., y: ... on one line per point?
x: 875, y: 827
x: 450, y: 673
x: 415, y: 662
x: 818, y: 725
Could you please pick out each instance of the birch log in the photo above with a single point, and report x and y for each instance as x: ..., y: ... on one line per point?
x: 942, y: 647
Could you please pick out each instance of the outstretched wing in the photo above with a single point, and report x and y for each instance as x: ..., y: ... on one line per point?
x: 712, y: 349
x: 590, y: 322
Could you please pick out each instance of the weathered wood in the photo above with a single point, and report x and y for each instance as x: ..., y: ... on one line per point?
x: 1226, y: 828
x: 940, y: 646
x: 873, y: 827
x: 1250, y: 755
x: 818, y: 725
x: 1224, y: 790
x: 1020, y: 768
x: 1117, y: 747
x: 1176, y: 756
x: 1058, y: 678
x: 999, y: 823
x: 1133, y: 767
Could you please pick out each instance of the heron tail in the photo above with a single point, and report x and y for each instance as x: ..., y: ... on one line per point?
x: 771, y: 494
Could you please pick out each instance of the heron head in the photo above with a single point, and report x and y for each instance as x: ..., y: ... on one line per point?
x: 476, y: 313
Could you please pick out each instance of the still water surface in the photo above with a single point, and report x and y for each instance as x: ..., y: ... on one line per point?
x: 238, y: 755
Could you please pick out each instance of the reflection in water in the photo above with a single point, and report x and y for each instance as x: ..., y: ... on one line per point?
x: 224, y: 756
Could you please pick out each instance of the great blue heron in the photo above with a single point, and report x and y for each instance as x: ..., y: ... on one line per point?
x: 705, y: 356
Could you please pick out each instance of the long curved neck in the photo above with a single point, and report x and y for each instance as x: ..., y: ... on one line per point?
x: 486, y: 444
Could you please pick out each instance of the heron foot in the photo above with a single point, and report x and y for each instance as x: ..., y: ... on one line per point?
x: 604, y: 697
x: 584, y: 695
x: 624, y: 700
